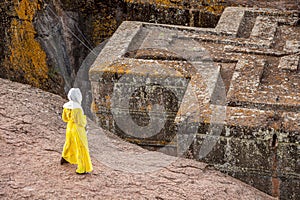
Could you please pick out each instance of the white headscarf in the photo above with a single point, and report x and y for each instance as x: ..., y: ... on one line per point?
x: 75, y: 98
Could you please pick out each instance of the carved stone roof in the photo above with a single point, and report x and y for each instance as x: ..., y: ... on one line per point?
x: 256, y: 52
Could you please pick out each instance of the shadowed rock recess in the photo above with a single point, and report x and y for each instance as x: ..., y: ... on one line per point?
x: 241, y: 78
x: 32, y: 136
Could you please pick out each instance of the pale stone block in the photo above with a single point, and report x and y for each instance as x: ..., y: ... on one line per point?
x: 290, y: 63
x: 292, y: 46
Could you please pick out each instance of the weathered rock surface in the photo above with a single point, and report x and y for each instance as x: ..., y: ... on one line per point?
x: 32, y: 136
x: 239, y: 82
x: 64, y: 32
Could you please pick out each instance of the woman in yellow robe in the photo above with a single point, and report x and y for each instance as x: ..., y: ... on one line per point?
x: 76, y: 149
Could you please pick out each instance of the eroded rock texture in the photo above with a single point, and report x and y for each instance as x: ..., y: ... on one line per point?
x: 231, y: 92
x: 43, y: 43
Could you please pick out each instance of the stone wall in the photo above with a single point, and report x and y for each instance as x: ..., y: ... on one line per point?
x: 101, y: 19
x: 226, y: 95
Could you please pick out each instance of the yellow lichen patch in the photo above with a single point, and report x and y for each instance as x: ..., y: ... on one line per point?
x: 213, y: 6
x: 118, y: 68
x: 216, y: 9
x: 107, y: 100
x: 26, y: 9
x: 163, y: 3
x: 27, y: 61
x: 103, y: 28
x: 94, y: 107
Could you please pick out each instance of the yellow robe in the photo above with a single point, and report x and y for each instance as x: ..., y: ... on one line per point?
x: 76, y: 150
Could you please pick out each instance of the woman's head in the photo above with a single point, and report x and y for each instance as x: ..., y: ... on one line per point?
x: 75, y: 95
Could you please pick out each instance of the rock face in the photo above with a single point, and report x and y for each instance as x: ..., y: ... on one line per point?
x: 278, y: 4
x: 59, y: 34
x: 22, y: 57
x: 62, y: 33
x: 43, y: 43
x: 32, y: 137
x: 227, y: 95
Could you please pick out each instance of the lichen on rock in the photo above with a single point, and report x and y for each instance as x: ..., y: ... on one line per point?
x: 26, y: 61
